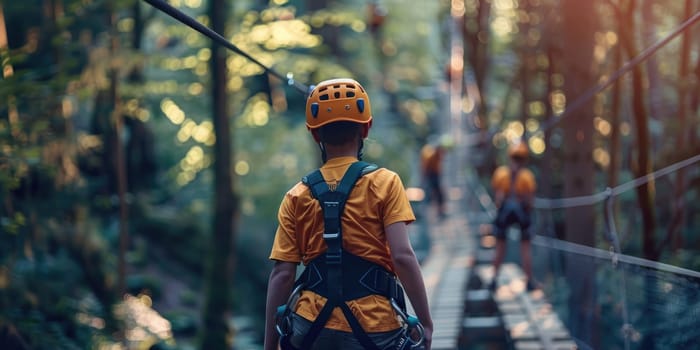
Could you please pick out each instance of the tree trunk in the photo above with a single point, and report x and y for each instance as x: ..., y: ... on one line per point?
x: 480, y: 43
x: 329, y: 33
x: 615, y: 123
x: 643, y: 159
x: 476, y: 42
x: 643, y: 167
x: 217, y: 308
x: 615, y: 139
x: 682, y: 137
x: 526, y: 67
x: 579, y: 17
x: 116, y: 155
x: 649, y: 37
x: 547, y: 179
x: 695, y: 108
x: 8, y: 71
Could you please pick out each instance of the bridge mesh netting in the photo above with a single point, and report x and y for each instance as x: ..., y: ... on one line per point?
x: 636, y: 304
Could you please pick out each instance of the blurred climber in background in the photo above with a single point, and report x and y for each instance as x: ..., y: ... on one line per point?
x: 514, y: 189
x: 431, y: 156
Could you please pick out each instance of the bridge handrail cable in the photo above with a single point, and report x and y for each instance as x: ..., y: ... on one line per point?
x: 569, y: 202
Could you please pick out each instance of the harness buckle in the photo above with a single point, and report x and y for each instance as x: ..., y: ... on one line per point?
x: 333, y: 235
x: 334, y: 258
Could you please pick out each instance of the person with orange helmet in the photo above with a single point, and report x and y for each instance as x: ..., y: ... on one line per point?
x: 346, y: 223
x: 431, y: 157
x: 514, y: 188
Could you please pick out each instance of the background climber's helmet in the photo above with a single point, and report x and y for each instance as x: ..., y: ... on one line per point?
x: 518, y: 150
x: 337, y: 100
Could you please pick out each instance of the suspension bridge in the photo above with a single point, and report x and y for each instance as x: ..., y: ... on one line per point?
x: 642, y: 303
x: 456, y: 259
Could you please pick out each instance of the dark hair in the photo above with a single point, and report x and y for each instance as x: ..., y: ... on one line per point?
x: 518, y: 158
x: 338, y: 133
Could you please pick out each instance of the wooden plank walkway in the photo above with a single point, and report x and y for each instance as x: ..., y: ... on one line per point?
x: 445, y: 271
x: 528, y: 317
x: 457, y: 267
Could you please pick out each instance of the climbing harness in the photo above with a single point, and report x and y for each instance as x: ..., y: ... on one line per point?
x: 407, y: 341
x: 340, y: 276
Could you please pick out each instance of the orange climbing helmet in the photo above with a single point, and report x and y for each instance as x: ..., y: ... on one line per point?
x: 337, y: 100
x: 518, y: 150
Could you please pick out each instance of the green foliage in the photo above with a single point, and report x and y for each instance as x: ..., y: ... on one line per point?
x: 48, y: 304
x: 143, y: 284
x: 59, y: 213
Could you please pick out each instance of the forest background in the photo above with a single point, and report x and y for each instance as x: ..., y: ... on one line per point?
x: 141, y: 167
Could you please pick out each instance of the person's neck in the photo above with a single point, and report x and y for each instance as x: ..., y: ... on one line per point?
x: 337, y: 151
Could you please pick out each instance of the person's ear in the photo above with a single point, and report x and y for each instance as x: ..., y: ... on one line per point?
x: 316, y: 136
x: 365, y: 129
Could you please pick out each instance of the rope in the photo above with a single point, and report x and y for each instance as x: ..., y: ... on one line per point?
x: 654, y: 175
x: 549, y: 203
x: 479, y: 137
x: 580, y: 101
x: 216, y: 37
x: 613, y: 237
x: 601, y: 254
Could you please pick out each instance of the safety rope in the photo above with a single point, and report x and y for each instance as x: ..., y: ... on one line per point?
x: 216, y: 37
x: 583, y: 99
x: 603, y: 254
x: 569, y: 202
x: 614, y: 255
x: 477, y: 138
x: 613, y: 238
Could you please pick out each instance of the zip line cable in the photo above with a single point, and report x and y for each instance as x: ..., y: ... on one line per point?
x: 217, y: 38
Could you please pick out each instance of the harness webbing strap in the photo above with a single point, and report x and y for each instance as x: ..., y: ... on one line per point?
x: 332, y: 203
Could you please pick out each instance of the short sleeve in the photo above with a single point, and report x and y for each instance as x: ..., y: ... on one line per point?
x: 527, y: 182
x: 284, y: 247
x: 396, y: 205
x: 500, y: 181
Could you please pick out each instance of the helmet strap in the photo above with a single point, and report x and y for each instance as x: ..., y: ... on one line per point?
x: 324, y: 155
x: 359, y: 150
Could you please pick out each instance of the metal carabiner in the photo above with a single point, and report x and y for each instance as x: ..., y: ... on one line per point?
x: 412, y: 323
x: 282, y: 318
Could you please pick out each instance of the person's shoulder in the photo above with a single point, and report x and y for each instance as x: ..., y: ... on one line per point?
x: 299, y: 189
x: 381, y: 177
x: 381, y: 173
x: 502, y: 170
x: 527, y: 173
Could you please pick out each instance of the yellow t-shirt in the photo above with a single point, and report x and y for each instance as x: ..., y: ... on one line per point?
x: 431, y: 159
x: 524, y: 184
x: 377, y: 200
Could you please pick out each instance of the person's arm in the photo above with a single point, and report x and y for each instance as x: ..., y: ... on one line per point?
x: 528, y: 198
x: 409, y: 273
x: 278, y: 288
x: 498, y: 198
